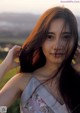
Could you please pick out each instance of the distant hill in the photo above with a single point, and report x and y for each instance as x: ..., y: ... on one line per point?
x: 17, y: 21
x: 19, y: 25
x: 16, y: 25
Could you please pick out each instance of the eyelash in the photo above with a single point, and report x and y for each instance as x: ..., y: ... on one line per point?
x: 67, y: 36
x: 50, y: 36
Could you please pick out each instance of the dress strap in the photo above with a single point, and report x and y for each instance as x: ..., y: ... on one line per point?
x: 44, y: 94
x: 49, y: 99
x: 28, y: 91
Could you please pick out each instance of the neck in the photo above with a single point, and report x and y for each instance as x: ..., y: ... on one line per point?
x: 51, y: 67
x: 48, y: 70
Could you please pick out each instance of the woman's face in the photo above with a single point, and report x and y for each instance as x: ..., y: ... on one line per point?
x: 58, y: 42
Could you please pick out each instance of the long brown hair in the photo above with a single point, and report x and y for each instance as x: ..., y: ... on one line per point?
x: 32, y: 57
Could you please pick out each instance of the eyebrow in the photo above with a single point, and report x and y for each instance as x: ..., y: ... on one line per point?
x: 69, y: 33
x: 52, y: 33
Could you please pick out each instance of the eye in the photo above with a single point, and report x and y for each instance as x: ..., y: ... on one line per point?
x: 50, y: 37
x: 66, y: 36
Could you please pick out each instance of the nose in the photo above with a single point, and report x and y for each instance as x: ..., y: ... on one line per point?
x: 58, y: 45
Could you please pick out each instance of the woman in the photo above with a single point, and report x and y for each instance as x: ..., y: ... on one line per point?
x: 47, y: 82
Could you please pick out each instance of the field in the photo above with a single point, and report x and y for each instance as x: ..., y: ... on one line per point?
x: 15, y: 107
x: 3, y: 41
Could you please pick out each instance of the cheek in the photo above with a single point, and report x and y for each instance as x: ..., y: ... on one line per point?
x: 69, y: 47
x: 45, y: 47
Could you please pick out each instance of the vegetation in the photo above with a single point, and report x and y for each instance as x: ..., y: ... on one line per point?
x: 3, y: 44
x: 15, y: 107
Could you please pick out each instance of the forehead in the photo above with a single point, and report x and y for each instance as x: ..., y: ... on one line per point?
x: 59, y: 25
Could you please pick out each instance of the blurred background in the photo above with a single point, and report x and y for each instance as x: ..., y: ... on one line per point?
x: 17, y: 19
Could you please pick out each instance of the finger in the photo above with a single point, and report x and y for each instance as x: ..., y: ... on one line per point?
x: 15, y: 51
x: 78, y: 50
x: 77, y: 53
x: 15, y: 48
x: 78, y: 45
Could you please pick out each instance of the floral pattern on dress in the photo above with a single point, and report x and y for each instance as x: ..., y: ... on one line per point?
x: 36, y: 104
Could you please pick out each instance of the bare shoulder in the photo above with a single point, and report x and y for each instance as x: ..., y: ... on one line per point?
x: 20, y: 80
x: 23, y: 79
x: 13, y: 88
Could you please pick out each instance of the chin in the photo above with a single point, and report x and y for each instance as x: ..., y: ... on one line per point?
x: 57, y: 61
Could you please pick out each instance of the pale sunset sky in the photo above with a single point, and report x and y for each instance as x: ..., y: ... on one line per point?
x: 37, y: 6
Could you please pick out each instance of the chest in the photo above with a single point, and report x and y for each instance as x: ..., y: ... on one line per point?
x: 41, y: 101
x: 54, y: 91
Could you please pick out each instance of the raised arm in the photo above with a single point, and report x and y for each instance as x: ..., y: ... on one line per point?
x: 11, y: 91
x: 76, y: 61
x: 9, y: 62
x: 14, y: 88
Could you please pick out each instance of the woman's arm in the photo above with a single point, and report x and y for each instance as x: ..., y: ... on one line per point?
x: 9, y: 61
x: 11, y: 91
x: 14, y: 88
x: 76, y: 61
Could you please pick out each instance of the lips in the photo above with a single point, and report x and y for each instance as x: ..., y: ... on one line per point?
x: 57, y: 54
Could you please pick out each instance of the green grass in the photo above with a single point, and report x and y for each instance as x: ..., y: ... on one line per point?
x: 15, y: 107
x: 7, y: 76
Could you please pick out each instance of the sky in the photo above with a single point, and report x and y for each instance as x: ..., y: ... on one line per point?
x: 37, y: 6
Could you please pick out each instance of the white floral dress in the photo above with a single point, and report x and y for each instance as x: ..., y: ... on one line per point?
x: 41, y: 101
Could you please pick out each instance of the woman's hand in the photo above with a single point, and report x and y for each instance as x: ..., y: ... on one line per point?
x: 10, y: 61
x: 76, y: 61
x: 13, y: 54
